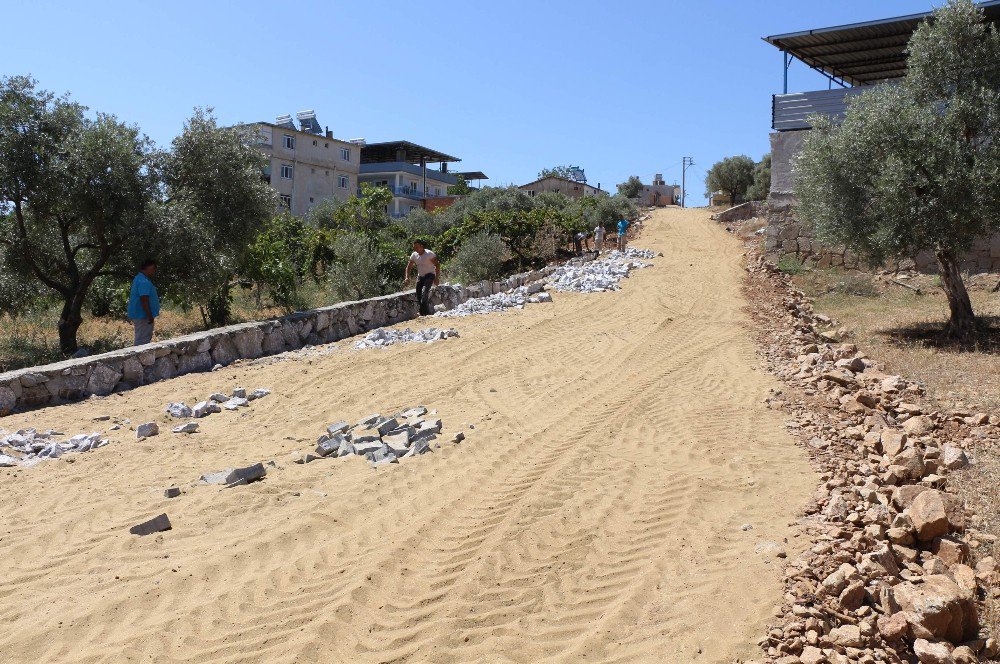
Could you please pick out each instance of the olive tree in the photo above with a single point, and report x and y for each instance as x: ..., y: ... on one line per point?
x: 74, y: 193
x: 732, y: 176
x: 761, y: 187
x: 631, y: 188
x: 915, y: 166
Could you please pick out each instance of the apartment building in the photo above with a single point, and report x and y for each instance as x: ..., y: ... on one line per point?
x: 571, y: 188
x: 307, y: 164
x: 402, y: 167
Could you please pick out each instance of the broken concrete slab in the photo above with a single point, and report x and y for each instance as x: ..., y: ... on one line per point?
x: 189, y: 427
x: 157, y: 524
x: 146, y: 430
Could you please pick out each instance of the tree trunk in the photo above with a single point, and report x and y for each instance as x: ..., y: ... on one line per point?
x: 69, y: 322
x: 963, y: 321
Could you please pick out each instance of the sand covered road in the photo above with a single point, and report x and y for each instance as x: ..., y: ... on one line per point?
x: 593, y: 514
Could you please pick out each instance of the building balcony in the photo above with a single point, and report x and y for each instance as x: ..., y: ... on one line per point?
x: 413, y: 193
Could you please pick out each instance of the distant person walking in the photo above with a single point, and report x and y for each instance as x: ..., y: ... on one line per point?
x: 622, y: 232
x: 143, y: 303
x: 579, y: 240
x: 599, y: 238
x: 428, y: 274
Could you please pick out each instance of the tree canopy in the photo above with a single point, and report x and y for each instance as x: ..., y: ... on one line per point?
x: 733, y: 176
x: 87, y: 197
x: 566, y: 172
x: 761, y: 187
x: 914, y: 166
x: 631, y: 188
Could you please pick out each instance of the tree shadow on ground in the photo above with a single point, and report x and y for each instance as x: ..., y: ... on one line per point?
x: 934, y: 335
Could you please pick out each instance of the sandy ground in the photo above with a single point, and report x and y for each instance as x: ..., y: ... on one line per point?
x: 593, y: 514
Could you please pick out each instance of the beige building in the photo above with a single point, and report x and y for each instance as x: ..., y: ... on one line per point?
x: 571, y: 188
x: 659, y: 193
x: 307, y: 164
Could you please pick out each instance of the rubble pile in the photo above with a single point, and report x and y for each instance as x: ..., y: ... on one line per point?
x: 383, y: 337
x: 512, y: 299
x: 380, y: 440
x: 215, y: 403
x: 897, y: 570
x: 28, y: 447
x: 599, y: 275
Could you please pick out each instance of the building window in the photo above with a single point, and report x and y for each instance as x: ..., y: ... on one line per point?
x: 289, y: 141
x: 327, y: 172
x: 315, y: 143
x: 312, y: 170
x: 286, y: 201
x: 286, y: 172
x: 326, y: 145
x: 345, y: 154
x: 531, y: 192
x: 343, y: 182
x: 310, y: 199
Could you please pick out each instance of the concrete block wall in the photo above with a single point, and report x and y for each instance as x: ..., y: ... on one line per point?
x: 128, y: 368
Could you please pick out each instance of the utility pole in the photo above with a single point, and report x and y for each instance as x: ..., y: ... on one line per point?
x: 685, y: 162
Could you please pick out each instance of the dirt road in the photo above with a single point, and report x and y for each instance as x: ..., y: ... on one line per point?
x: 595, y: 513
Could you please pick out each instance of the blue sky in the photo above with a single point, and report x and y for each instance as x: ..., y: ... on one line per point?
x: 619, y: 88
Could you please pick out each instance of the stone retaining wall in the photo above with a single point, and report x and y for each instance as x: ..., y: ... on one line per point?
x: 786, y: 235
x: 128, y: 368
x: 741, y: 212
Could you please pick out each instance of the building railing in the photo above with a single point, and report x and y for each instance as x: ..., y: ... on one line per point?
x: 792, y: 111
x: 411, y: 192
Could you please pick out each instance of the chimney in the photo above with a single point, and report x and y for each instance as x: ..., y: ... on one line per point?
x: 329, y: 134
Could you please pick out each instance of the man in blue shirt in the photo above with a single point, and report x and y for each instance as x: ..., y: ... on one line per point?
x: 622, y: 230
x: 143, y: 303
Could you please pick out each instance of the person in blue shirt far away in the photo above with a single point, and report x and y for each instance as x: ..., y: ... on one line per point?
x: 143, y: 303
x: 622, y: 230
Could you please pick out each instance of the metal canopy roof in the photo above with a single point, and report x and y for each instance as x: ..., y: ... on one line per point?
x: 379, y: 153
x: 472, y: 175
x: 861, y: 53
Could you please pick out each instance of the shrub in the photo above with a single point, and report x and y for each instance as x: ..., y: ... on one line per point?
x: 482, y: 256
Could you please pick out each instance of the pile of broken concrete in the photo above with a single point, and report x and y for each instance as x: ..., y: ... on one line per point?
x: 380, y: 440
x: 384, y: 337
x: 897, y: 570
x: 28, y: 447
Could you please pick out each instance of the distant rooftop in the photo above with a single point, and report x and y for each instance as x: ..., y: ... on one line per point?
x: 861, y: 53
x: 374, y: 153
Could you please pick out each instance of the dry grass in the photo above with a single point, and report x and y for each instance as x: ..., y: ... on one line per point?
x: 901, y: 328
x: 33, y: 340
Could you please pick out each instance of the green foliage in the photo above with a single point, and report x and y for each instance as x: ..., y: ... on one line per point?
x: 281, y: 254
x: 761, y: 187
x: 460, y: 188
x: 75, y: 193
x: 790, y: 265
x: 360, y: 269
x: 108, y: 297
x: 631, y: 188
x: 914, y: 166
x: 732, y: 176
x: 480, y: 257
x: 556, y: 171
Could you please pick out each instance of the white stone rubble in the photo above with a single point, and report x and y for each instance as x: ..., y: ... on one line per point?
x: 383, y: 337
x: 28, y: 446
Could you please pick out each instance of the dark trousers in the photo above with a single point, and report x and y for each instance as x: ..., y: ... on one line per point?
x: 424, y: 285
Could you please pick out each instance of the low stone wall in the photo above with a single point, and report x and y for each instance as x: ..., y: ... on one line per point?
x: 741, y: 212
x: 786, y: 235
x: 128, y: 368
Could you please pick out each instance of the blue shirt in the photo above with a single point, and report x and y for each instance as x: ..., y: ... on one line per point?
x: 141, y: 285
x: 622, y: 226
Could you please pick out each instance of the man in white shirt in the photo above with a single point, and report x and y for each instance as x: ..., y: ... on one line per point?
x: 428, y: 274
x: 598, y: 237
